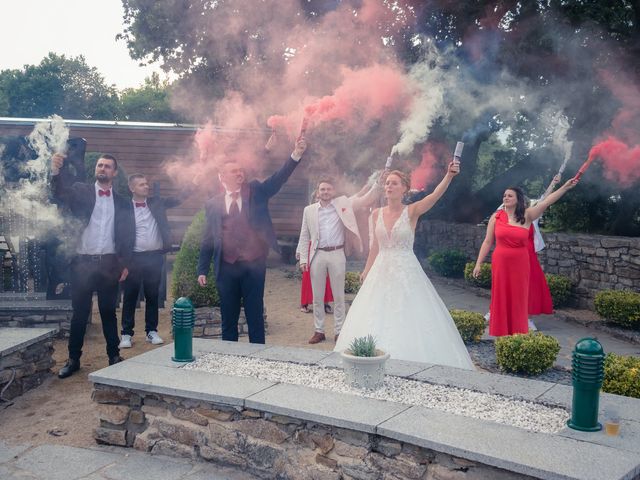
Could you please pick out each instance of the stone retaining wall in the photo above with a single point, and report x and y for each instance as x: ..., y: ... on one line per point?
x: 25, y: 369
x: 208, y: 323
x: 593, y: 262
x: 34, y: 319
x: 267, y: 445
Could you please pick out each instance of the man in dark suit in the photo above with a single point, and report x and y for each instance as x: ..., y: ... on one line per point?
x: 102, y: 254
x: 152, y: 240
x: 238, y: 235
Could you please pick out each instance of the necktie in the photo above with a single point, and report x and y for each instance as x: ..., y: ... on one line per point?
x: 104, y: 193
x: 234, y: 209
x: 141, y: 204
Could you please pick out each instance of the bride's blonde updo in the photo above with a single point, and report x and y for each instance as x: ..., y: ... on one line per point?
x: 404, y: 178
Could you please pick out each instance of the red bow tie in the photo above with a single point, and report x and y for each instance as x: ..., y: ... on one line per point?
x: 104, y: 193
x: 141, y: 204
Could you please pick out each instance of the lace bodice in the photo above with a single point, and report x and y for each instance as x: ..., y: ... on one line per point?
x: 401, y: 236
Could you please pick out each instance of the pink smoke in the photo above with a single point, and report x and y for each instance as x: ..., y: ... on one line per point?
x: 621, y: 162
x: 434, y: 156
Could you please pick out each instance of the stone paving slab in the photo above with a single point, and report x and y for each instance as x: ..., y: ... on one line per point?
x: 330, y: 408
x: 56, y: 462
x: 7, y: 453
x: 305, y: 356
x: 626, y: 407
x: 550, y: 457
x: 515, y: 387
x: 14, y: 339
x: 226, y: 347
x: 628, y: 439
x: 179, y: 382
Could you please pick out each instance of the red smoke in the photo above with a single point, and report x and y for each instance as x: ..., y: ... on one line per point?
x: 433, y: 155
x: 621, y: 162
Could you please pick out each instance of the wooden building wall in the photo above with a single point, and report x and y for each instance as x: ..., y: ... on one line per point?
x: 143, y: 148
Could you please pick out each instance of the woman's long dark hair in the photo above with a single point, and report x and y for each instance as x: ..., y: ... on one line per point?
x: 520, y: 205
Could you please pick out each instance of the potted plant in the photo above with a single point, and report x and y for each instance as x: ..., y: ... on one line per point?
x: 364, y: 363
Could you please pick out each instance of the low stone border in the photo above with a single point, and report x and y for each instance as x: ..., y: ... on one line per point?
x: 631, y: 336
x: 36, y: 313
x: 25, y: 359
x: 208, y: 323
x: 289, y: 431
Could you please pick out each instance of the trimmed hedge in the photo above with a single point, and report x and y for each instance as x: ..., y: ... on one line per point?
x: 352, y: 282
x: 448, y: 263
x: 483, y: 280
x: 560, y: 287
x: 621, y: 307
x: 185, y: 269
x: 470, y: 325
x: 531, y: 353
x: 622, y: 375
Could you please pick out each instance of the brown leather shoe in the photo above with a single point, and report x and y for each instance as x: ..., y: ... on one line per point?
x: 317, y: 338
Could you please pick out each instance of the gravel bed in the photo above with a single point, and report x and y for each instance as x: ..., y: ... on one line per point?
x: 483, y: 354
x: 497, y: 408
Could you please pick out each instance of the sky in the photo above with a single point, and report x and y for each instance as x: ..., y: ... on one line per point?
x: 30, y: 29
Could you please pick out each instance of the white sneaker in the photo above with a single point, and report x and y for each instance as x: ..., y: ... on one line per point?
x: 532, y: 326
x: 125, y: 342
x: 154, y: 338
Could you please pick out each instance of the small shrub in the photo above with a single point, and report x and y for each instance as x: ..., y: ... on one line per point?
x: 185, y: 269
x: 560, y: 287
x: 448, y: 263
x: 470, y: 325
x: 352, y: 282
x: 483, y: 280
x: 619, y: 306
x: 530, y: 353
x: 363, y: 347
x: 621, y: 375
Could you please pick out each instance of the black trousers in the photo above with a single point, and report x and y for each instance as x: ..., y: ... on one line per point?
x: 145, y: 271
x: 242, y: 282
x: 94, y: 273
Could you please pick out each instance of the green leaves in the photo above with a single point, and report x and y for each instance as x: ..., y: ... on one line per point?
x: 363, y: 347
x: 619, y: 306
x: 470, y: 325
x: 530, y: 353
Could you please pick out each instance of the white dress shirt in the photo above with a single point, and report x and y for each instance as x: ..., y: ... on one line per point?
x: 148, y: 236
x: 228, y: 199
x: 98, y: 237
x: 330, y: 227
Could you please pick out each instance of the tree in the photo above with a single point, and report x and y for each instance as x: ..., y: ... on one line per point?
x: 58, y: 85
x: 148, y: 103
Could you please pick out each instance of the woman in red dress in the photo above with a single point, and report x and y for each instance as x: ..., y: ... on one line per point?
x: 511, y: 264
x: 539, y: 294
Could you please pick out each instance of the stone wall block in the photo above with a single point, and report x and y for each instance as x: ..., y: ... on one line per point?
x: 137, y: 417
x: 224, y: 437
x: 173, y: 449
x: 347, y: 450
x: 262, y: 429
x: 154, y: 411
x: 100, y: 395
x: 387, y: 447
x: 110, y: 436
x: 402, y: 467
x: 182, y: 432
x: 223, y: 456
x: 324, y: 442
x: 359, y: 439
x: 114, y: 414
x: 145, y: 441
x: 326, y: 461
x: 190, y: 416
x: 219, y: 415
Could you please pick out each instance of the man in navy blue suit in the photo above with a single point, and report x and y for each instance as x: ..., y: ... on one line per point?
x: 237, y: 236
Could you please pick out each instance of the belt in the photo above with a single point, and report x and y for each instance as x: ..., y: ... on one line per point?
x: 331, y: 249
x: 97, y: 258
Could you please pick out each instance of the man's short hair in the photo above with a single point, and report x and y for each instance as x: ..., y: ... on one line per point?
x: 328, y: 180
x: 108, y: 156
x: 134, y: 176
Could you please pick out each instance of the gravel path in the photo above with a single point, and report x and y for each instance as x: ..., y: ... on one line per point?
x: 518, y: 413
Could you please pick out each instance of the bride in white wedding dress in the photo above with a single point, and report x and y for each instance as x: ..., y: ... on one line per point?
x: 397, y: 304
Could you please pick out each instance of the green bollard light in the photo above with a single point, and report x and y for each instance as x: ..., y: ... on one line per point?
x: 587, y: 373
x: 183, y: 317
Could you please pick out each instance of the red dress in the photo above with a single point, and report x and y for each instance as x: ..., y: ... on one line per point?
x: 510, y: 267
x: 306, y: 292
x: 539, y: 295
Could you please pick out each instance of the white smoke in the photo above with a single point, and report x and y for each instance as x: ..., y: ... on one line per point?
x: 561, y: 141
x: 427, y: 106
x: 28, y: 198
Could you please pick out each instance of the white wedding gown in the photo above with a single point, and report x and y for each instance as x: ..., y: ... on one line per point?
x: 399, y: 306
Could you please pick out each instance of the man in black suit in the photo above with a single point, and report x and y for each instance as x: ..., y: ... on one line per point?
x: 238, y: 234
x: 152, y: 240
x: 103, y: 251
